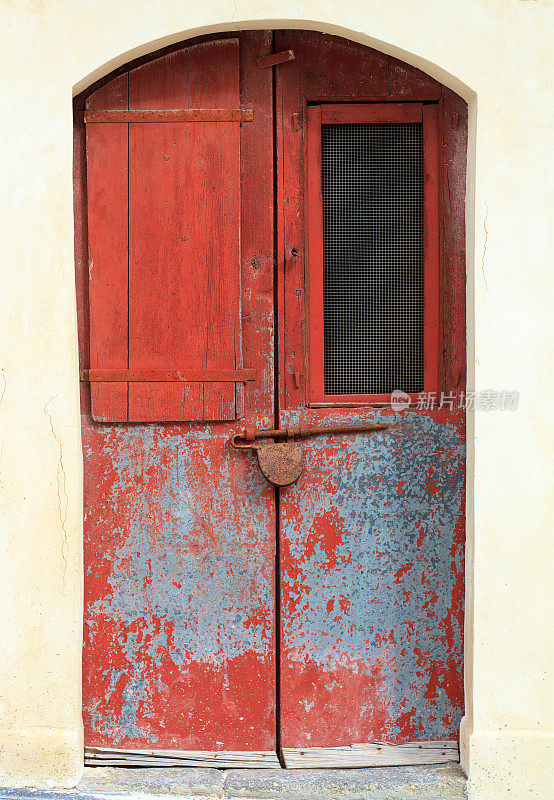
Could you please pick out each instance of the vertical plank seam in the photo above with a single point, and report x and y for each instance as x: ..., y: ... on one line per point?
x: 276, y: 123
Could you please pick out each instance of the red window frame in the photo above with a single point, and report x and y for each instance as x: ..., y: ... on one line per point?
x: 317, y: 116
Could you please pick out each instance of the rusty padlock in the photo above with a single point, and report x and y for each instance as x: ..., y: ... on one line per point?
x: 281, y: 460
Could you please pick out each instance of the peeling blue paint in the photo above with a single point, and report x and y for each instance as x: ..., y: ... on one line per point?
x: 385, y: 596
x: 186, y: 552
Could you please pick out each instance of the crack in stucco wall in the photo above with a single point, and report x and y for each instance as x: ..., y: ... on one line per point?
x: 486, y: 285
x: 61, y: 487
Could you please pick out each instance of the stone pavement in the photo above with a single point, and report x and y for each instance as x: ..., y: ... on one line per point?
x: 436, y: 782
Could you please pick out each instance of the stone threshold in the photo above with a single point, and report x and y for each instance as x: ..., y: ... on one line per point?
x: 429, y: 782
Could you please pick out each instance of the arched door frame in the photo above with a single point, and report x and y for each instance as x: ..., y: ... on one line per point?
x: 139, y: 55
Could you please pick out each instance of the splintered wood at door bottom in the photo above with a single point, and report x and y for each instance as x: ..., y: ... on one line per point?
x: 374, y: 754
x: 106, y: 756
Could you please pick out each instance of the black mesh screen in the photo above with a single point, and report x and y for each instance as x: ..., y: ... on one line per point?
x: 372, y: 185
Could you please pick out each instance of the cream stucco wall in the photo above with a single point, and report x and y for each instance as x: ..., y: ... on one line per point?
x: 495, y: 53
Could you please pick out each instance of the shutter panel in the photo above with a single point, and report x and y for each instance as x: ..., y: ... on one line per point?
x: 182, y: 289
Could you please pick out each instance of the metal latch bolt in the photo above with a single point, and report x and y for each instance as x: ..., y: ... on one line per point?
x: 280, y: 460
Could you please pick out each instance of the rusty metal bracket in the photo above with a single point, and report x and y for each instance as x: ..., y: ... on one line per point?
x: 275, y: 58
x: 281, y: 461
x: 166, y: 375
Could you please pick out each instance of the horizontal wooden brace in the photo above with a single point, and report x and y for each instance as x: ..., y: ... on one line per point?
x: 166, y: 375
x: 171, y: 115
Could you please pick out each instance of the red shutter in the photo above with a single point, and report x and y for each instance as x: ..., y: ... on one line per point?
x: 164, y: 239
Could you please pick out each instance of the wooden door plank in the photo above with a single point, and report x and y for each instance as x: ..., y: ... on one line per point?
x: 255, y: 335
x: 216, y: 83
x: 324, y: 67
x: 107, y: 159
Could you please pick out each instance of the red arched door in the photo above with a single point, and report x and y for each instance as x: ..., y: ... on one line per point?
x: 275, y: 240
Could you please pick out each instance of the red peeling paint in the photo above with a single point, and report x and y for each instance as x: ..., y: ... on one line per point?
x: 402, y: 571
x: 327, y: 533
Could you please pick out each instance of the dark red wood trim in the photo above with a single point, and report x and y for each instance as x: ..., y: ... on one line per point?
x: 361, y: 399
x: 431, y: 250
x: 371, y: 112
x: 452, y: 186
x: 171, y: 115
x: 314, y: 256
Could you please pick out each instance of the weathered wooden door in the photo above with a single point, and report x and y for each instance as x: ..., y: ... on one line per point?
x: 226, y: 620
x: 179, y: 533
x: 371, y: 292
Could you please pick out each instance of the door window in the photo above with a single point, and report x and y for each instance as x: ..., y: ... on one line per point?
x: 371, y: 265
